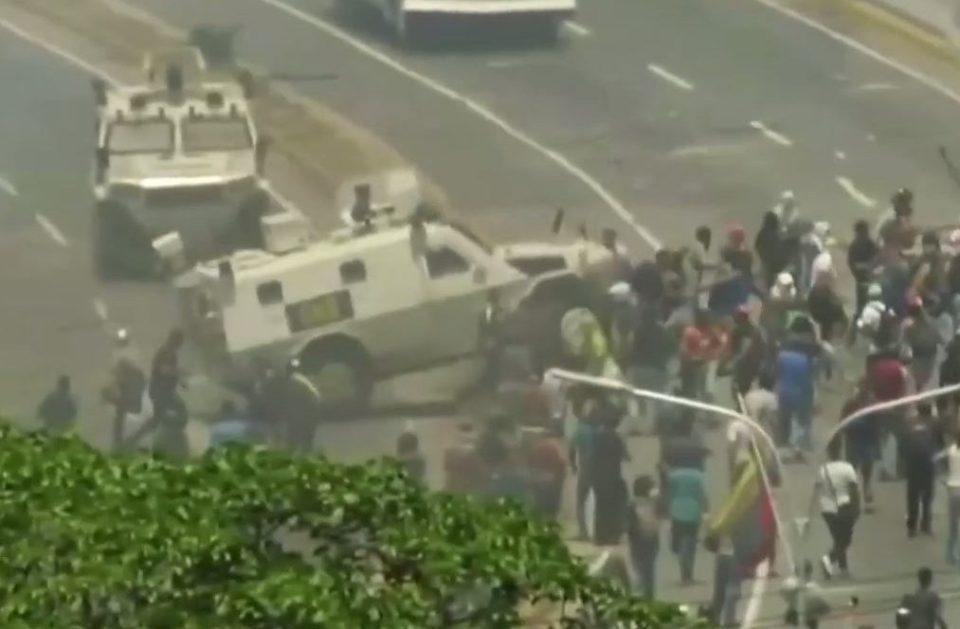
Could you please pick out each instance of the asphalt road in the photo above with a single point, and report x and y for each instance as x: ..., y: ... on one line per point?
x: 655, y: 102
x: 659, y: 102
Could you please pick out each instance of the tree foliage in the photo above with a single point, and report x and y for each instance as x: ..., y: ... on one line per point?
x: 253, y: 538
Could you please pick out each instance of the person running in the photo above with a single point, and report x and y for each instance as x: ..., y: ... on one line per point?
x: 925, y: 607
x: 747, y: 352
x: 699, y: 346
x: 166, y: 380
x: 838, y: 491
x: 57, y: 411
x: 795, y: 374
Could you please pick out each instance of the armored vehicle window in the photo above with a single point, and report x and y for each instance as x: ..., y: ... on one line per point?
x: 140, y: 136
x: 445, y: 261
x: 353, y: 272
x: 270, y: 293
x: 539, y: 266
x: 215, y: 134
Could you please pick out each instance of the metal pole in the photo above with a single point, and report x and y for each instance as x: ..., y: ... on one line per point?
x: 863, y: 413
x: 756, y: 430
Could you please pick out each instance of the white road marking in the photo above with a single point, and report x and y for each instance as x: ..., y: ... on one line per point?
x: 52, y: 230
x: 770, y: 134
x: 840, y: 155
x: 100, y: 307
x: 577, y: 29
x: 755, y: 602
x: 876, y: 87
x: 598, y: 564
x: 871, y: 138
x: 8, y: 188
x: 856, y: 194
x: 670, y: 77
x: 865, y: 50
x: 57, y: 50
x: 706, y: 150
x: 593, y: 184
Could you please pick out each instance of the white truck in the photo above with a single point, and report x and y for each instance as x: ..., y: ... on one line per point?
x: 376, y: 300
x: 408, y: 18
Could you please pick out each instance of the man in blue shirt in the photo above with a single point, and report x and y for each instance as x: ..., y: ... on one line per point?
x: 795, y: 390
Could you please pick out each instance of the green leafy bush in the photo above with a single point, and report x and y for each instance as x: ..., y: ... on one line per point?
x: 254, y: 538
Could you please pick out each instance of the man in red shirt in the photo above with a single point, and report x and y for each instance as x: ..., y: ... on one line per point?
x: 699, y: 345
x: 887, y: 379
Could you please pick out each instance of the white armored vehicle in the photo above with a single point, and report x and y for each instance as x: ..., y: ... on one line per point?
x: 379, y: 299
x: 179, y: 167
x: 407, y: 18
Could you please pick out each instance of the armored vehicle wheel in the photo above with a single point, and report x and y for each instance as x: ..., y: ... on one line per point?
x: 122, y: 250
x: 341, y: 370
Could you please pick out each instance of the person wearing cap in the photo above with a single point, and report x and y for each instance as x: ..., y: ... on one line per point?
x: 861, y: 260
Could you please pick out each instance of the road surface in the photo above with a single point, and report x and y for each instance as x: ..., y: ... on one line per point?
x: 679, y: 112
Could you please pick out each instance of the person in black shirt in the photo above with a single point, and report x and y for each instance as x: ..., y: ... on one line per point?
x: 924, y: 607
x: 919, y: 445
x: 861, y: 257
x: 165, y: 378
x: 769, y: 247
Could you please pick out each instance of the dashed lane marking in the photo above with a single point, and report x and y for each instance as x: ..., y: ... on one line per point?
x: 52, y: 230
x: 670, y: 77
x: 577, y: 29
x: 100, y: 307
x: 855, y: 194
x: 8, y: 188
x: 875, y: 87
x: 863, y: 49
x: 770, y: 134
x: 615, y: 204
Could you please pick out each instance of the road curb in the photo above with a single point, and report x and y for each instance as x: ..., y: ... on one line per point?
x: 906, y: 26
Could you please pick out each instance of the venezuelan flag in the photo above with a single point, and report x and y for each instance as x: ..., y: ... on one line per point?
x: 747, y: 518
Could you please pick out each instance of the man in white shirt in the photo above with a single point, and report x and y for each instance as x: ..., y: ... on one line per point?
x: 838, y: 492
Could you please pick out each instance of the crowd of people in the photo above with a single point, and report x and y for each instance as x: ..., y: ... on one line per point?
x: 772, y: 317
x: 767, y: 314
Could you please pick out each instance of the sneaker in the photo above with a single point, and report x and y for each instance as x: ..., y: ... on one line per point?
x: 827, y: 564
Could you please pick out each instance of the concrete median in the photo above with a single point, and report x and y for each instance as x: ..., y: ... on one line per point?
x: 328, y: 148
